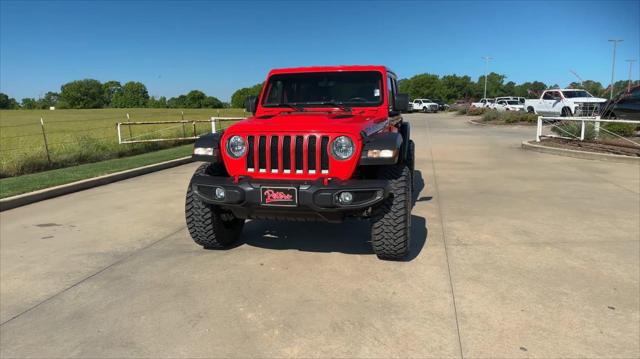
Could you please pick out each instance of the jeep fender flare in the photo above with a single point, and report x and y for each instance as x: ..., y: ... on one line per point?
x: 396, y: 142
x: 207, y: 148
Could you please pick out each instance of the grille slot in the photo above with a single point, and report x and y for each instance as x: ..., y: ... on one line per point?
x: 311, y: 155
x: 250, y: 160
x: 286, y: 154
x: 262, y: 154
x: 289, y: 154
x: 273, y: 149
x: 324, y: 155
x: 299, y: 154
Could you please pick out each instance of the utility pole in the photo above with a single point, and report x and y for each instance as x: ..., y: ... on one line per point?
x: 613, y: 65
x: 486, y: 69
x: 630, y: 61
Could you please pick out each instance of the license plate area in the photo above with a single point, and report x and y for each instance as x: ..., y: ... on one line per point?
x: 279, y: 196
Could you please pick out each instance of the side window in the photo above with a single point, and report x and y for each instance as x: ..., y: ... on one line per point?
x: 390, y: 93
x: 547, y: 96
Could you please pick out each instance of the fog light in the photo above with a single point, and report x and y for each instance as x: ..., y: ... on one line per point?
x: 345, y: 198
x: 220, y: 193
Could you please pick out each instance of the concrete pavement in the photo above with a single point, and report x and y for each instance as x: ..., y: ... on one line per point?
x: 515, y: 254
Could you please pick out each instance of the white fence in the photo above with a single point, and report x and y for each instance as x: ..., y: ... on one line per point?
x: 550, y: 122
x: 189, y: 130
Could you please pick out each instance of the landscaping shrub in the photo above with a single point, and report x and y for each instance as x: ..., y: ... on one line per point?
x: 572, y: 129
x: 509, y: 117
x: 476, y: 111
x: 621, y: 129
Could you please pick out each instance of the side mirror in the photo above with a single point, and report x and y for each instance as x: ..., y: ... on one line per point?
x: 402, y: 102
x: 251, y: 103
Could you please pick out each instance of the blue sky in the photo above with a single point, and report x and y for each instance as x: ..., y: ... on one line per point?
x: 218, y: 47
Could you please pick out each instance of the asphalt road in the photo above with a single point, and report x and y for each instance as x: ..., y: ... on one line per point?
x: 514, y: 254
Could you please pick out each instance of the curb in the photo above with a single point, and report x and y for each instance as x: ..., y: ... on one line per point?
x: 477, y: 123
x: 581, y: 154
x: 47, y: 193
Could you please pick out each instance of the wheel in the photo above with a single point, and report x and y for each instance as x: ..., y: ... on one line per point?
x: 424, y: 109
x: 210, y: 226
x: 530, y: 110
x: 566, y: 112
x: 391, y: 225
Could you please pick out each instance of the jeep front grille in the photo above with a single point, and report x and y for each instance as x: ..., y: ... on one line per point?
x: 289, y: 154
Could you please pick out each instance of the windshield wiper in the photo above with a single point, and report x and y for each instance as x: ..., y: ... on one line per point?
x: 339, y: 105
x: 299, y: 109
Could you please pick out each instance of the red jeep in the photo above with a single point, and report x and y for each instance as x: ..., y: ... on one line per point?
x: 324, y: 143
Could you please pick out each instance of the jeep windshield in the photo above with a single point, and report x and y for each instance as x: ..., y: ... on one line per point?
x: 574, y: 94
x: 324, y: 89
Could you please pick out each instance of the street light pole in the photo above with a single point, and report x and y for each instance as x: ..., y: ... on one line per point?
x: 630, y: 61
x: 486, y: 69
x: 613, y: 65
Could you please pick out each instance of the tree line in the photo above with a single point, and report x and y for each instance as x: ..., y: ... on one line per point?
x: 450, y: 88
x: 89, y: 93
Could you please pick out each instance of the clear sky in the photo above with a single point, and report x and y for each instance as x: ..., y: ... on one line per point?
x: 218, y: 47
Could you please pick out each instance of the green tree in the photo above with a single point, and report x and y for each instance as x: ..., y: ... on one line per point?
x: 133, y: 95
x: 160, y: 102
x: 238, y: 97
x: 29, y: 103
x: 86, y: 93
x: 111, y: 89
x: 50, y: 99
x: 495, y: 84
x: 530, y: 89
x: 8, y: 103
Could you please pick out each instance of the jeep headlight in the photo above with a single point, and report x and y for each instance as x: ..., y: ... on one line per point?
x: 342, y: 148
x: 236, y: 146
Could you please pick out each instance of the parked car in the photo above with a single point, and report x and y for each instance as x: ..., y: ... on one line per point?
x: 410, y: 107
x: 483, y: 103
x: 324, y: 143
x: 508, y: 105
x: 625, y: 106
x: 519, y: 99
x: 565, y: 102
x: 425, y: 105
x: 442, y: 106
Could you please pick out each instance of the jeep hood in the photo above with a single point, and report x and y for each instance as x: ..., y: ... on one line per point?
x: 311, y: 122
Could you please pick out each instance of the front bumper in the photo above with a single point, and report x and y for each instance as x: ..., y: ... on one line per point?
x: 315, y: 199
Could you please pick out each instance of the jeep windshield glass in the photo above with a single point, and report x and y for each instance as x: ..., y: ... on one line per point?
x: 324, y: 89
x: 574, y: 94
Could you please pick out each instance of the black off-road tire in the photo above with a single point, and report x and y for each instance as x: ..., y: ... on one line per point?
x: 530, y: 110
x: 210, y: 226
x: 566, y: 112
x: 391, y: 224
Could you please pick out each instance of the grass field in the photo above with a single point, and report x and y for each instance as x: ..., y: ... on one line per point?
x: 32, y: 182
x: 84, y: 136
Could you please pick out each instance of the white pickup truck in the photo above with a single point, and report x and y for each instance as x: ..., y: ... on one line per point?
x: 484, y: 102
x: 424, y: 105
x: 564, y: 102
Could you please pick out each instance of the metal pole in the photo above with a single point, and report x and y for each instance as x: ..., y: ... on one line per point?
x: 613, y: 64
x: 486, y: 69
x: 630, y: 61
x: 582, y: 132
x: 539, y: 130
x: 44, y: 136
